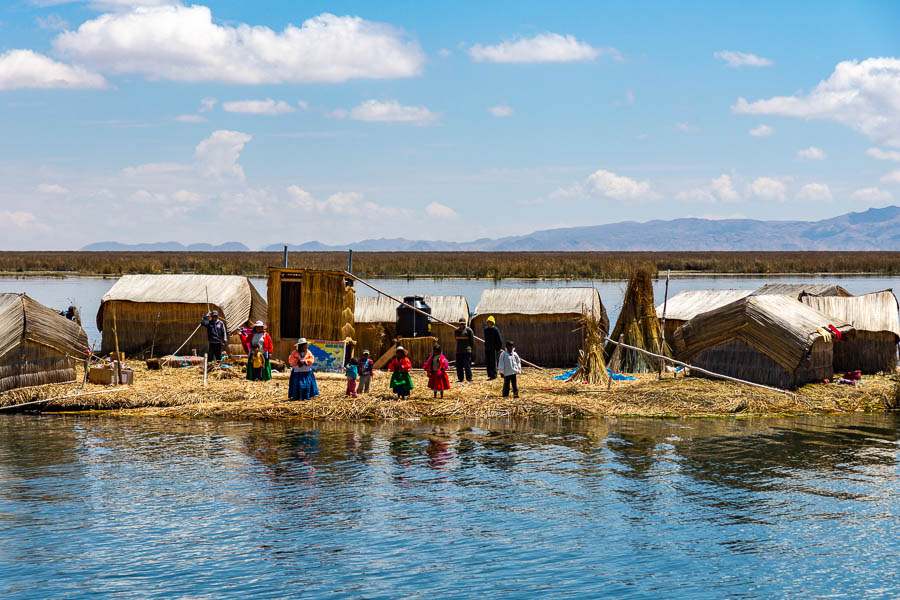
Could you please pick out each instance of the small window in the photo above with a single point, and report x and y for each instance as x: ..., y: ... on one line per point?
x: 291, y: 326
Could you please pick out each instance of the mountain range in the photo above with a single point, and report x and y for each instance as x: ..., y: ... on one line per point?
x: 873, y: 229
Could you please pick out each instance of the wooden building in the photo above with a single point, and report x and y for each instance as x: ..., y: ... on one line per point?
x: 161, y: 311
x: 873, y: 348
x: 543, y: 322
x: 37, y: 345
x: 314, y: 304
x: 773, y: 340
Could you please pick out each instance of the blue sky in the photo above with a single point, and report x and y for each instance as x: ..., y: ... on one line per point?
x: 267, y: 122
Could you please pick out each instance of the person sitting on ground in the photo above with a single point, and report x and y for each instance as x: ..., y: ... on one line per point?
x: 400, y: 366
x: 216, y: 335
x: 436, y: 366
x: 465, y: 343
x: 259, y: 337
x: 509, y: 366
x: 366, y: 366
x: 352, y: 372
x: 493, y: 344
x: 257, y: 363
x: 303, y: 381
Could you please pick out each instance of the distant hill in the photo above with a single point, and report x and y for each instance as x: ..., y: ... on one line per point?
x: 164, y: 247
x: 874, y: 229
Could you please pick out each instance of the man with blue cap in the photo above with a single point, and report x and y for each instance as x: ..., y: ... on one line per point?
x: 216, y: 334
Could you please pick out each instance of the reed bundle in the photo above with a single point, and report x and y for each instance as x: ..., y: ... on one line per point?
x: 180, y: 393
x: 592, y: 367
x: 638, y: 326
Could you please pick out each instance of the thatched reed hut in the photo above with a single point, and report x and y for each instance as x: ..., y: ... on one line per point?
x: 797, y: 290
x: 543, y: 322
x: 161, y: 311
x: 310, y: 303
x: 772, y: 340
x: 873, y: 348
x: 375, y: 320
x: 684, y: 306
x: 637, y: 326
x: 37, y: 345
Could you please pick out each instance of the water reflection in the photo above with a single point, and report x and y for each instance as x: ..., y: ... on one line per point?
x: 749, y: 508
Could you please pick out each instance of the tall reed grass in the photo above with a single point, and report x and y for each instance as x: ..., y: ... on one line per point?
x: 565, y: 265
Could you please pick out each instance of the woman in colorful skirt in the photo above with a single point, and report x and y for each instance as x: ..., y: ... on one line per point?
x: 303, y: 380
x: 261, y: 338
x: 400, y: 366
x: 436, y: 367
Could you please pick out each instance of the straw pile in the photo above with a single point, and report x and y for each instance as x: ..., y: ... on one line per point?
x: 179, y: 392
x: 638, y: 326
x: 591, y: 366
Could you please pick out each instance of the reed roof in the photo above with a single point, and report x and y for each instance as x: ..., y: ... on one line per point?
x: 381, y: 309
x: 778, y: 326
x: 687, y: 305
x: 540, y: 301
x: 876, y: 312
x: 23, y: 319
x: 799, y: 289
x: 234, y: 296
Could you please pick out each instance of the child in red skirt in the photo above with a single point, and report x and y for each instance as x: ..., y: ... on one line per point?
x: 436, y: 367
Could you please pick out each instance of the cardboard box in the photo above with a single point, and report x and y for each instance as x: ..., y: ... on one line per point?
x: 106, y: 375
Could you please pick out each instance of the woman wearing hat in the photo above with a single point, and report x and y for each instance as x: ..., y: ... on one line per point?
x: 400, y: 366
x: 259, y: 337
x: 303, y: 380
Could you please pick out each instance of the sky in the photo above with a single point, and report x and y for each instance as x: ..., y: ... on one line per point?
x: 285, y: 122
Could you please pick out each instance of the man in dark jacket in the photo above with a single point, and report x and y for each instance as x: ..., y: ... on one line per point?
x: 465, y: 343
x: 493, y: 343
x: 216, y: 334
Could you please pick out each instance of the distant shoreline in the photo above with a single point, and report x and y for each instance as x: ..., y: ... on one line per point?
x: 610, y: 266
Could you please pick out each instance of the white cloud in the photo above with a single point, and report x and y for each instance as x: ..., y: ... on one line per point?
x: 542, y: 48
x: 155, y: 169
x: 862, y: 95
x: 52, y: 188
x: 207, y: 104
x: 883, y: 154
x: 22, y: 220
x: 390, y: 111
x: 619, y: 187
x: 182, y: 43
x: 217, y: 155
x: 440, y: 211
x: 814, y: 192
x: 53, y: 22
x: 892, y: 177
x: 812, y: 153
x: 686, y: 127
x: 762, y: 131
x: 21, y: 69
x: 303, y: 104
x: 191, y: 119
x: 742, y: 59
x: 629, y: 97
x: 872, y: 196
x: 445, y: 52
x: 768, y: 188
x: 338, y: 204
x: 720, y: 189
x: 259, y: 107
x: 502, y: 110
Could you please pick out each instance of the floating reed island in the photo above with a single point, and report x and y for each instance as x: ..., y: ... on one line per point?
x: 180, y: 393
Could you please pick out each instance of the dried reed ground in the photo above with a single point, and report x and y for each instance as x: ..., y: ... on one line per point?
x: 180, y: 393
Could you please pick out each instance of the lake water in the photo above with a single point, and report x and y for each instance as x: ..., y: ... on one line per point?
x: 106, y: 507
x: 87, y: 291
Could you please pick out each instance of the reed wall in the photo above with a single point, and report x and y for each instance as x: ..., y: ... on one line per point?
x: 743, y: 361
x: 34, y: 364
x: 869, y: 351
x: 546, y: 340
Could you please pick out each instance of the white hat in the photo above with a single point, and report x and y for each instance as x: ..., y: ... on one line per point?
x: 302, y: 341
x: 259, y: 324
x: 401, y: 349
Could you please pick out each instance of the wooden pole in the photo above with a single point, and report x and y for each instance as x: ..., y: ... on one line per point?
x: 204, y: 367
x: 118, y: 356
x: 454, y: 325
x: 662, y: 326
x: 155, y: 329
